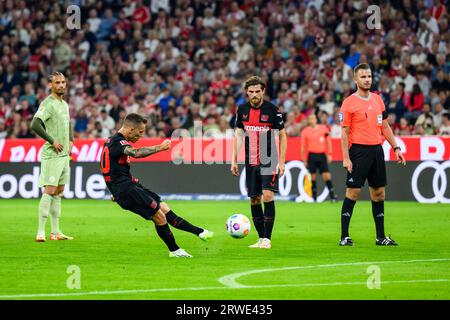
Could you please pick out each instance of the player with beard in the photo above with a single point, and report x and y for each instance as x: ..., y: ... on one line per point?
x: 260, y: 121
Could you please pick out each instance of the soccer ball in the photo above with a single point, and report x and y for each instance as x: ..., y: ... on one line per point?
x: 238, y: 226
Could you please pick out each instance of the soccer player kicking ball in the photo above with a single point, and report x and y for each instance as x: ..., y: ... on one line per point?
x: 130, y: 194
x: 260, y: 120
x: 363, y: 119
x: 52, y: 123
x: 316, y: 142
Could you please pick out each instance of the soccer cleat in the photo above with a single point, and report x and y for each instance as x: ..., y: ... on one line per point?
x: 265, y: 244
x: 257, y: 244
x: 386, y: 241
x: 206, y: 234
x: 347, y: 241
x: 59, y: 236
x: 180, y: 253
x: 40, y: 237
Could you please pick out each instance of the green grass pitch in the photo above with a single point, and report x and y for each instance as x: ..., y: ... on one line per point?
x: 120, y: 256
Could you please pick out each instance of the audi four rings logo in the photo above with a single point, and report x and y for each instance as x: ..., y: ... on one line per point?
x: 439, y: 175
x: 285, y: 183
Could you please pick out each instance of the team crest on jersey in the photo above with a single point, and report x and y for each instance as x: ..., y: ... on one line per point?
x: 264, y: 117
x: 124, y: 142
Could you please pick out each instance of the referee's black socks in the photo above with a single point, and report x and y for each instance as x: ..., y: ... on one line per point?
x: 179, y: 223
x: 269, y: 218
x: 346, y: 215
x: 314, y: 189
x: 258, y: 219
x: 167, y: 236
x: 378, y: 217
x: 330, y: 189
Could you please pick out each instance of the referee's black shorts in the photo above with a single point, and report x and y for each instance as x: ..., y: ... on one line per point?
x: 257, y: 180
x: 317, y: 161
x: 368, y: 163
x: 139, y: 200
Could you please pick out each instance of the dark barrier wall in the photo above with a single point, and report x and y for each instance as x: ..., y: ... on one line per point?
x: 426, y: 181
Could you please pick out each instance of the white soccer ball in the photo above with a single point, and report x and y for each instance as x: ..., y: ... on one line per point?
x: 238, y: 226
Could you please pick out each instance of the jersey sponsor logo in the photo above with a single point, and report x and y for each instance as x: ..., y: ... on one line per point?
x: 124, y: 142
x: 264, y: 117
x: 256, y: 128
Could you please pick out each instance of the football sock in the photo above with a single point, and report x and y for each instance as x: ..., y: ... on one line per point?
x: 378, y: 217
x: 44, y: 208
x: 346, y: 215
x: 55, y: 212
x: 167, y: 236
x: 330, y: 188
x: 269, y: 218
x: 179, y: 223
x: 258, y: 219
x: 314, y: 189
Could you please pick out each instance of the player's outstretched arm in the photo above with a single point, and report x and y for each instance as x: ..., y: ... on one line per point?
x: 283, y: 147
x: 146, y: 151
x: 389, y: 135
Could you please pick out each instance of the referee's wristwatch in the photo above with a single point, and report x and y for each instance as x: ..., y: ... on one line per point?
x: 397, y: 148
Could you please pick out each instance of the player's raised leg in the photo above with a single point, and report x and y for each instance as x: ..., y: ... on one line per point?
x: 163, y: 230
x: 182, y: 224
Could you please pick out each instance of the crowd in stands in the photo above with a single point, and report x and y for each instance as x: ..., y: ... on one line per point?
x: 182, y: 63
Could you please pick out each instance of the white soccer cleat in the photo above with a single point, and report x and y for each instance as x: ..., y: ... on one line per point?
x: 206, y: 234
x: 266, y: 244
x: 40, y: 237
x: 59, y: 236
x: 180, y: 253
x: 257, y: 244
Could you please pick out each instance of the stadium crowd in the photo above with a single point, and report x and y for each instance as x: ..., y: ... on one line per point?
x: 182, y: 63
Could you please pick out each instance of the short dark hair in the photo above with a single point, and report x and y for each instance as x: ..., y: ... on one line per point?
x: 254, y: 81
x: 133, y: 120
x: 361, y: 66
x: 54, y: 74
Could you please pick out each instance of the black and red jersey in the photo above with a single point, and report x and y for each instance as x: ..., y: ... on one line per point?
x: 259, y: 125
x: 115, y: 165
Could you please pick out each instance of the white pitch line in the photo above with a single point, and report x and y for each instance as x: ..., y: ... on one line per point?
x: 230, y: 279
x: 239, y: 286
x: 107, y: 292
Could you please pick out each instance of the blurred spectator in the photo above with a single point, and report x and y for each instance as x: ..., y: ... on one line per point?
x: 426, y: 121
x: 444, y: 128
x: 99, y: 131
x: 404, y: 128
x: 414, y: 102
x: 106, y: 120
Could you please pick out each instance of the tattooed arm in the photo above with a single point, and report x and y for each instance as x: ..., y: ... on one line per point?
x: 146, y: 151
